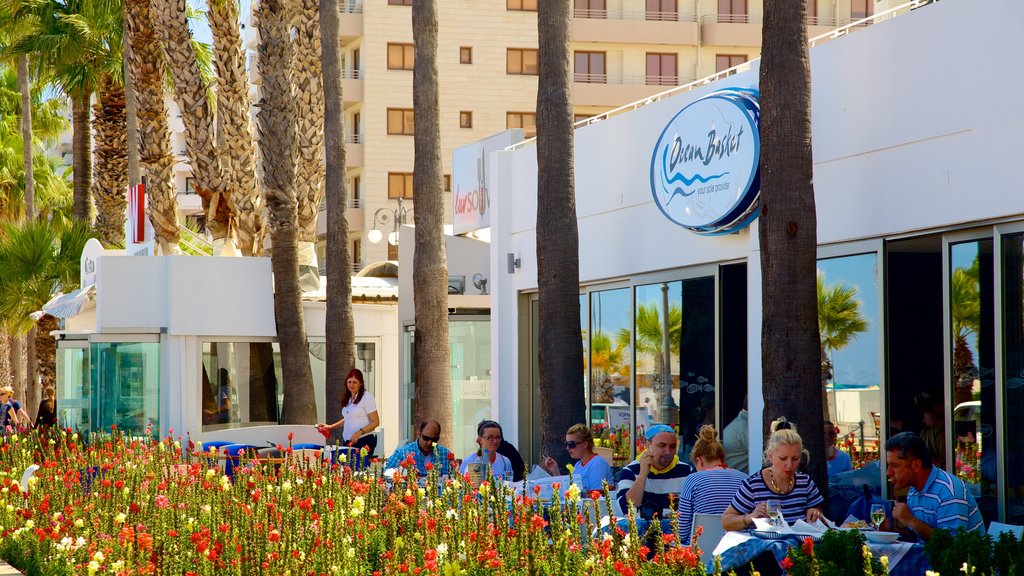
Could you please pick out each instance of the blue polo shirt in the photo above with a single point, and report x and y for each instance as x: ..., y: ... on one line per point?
x: 439, y: 458
x: 945, y: 502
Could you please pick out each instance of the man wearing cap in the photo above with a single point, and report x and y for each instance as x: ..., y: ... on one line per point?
x: 424, y: 449
x: 649, y: 482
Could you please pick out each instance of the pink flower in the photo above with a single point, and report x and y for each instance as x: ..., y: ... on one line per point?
x: 162, y: 502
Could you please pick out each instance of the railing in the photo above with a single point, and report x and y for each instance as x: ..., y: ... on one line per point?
x: 352, y: 74
x: 626, y: 79
x: 728, y: 19
x: 619, y: 14
x: 821, y: 21
x: 350, y: 7
x: 352, y: 203
x: 891, y: 13
x: 353, y: 139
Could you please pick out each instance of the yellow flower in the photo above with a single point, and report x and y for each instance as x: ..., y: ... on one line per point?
x: 120, y: 518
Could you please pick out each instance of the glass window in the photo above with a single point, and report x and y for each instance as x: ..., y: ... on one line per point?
x: 611, y: 395
x: 466, y: 119
x: 860, y: 9
x: 726, y: 61
x: 521, y: 61
x: 1013, y: 385
x: 126, y: 386
x: 732, y: 11
x: 662, y: 10
x: 590, y: 9
x: 590, y: 67
x: 72, y: 389
x: 400, y: 2
x: 465, y: 55
x: 523, y: 5
x: 401, y: 56
x: 400, y: 121
x: 240, y: 384
x: 525, y: 120
x: 972, y: 375
x: 662, y: 69
x: 400, y: 185
x: 470, y: 342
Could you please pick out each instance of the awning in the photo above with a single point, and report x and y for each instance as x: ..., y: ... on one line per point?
x: 69, y: 305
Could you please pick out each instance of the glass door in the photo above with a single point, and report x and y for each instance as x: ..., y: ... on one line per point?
x: 73, y: 390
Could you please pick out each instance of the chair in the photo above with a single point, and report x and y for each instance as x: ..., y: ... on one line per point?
x: 997, y: 528
x: 710, y: 536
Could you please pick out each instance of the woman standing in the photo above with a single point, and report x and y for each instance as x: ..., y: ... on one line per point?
x: 11, y: 411
x: 488, y: 437
x: 592, y: 469
x: 46, y: 416
x: 781, y: 481
x: 358, y: 414
x: 712, y: 487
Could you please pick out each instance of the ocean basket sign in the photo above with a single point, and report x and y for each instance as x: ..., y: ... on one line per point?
x: 705, y: 169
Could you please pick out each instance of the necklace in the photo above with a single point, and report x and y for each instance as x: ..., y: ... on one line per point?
x: 775, y: 486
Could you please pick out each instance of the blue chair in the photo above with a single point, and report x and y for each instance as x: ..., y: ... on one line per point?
x: 234, y: 456
x: 307, y: 447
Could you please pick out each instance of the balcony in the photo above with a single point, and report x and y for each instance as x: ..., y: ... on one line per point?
x: 353, y: 151
x: 730, y: 30
x: 818, y: 25
x: 350, y: 20
x: 354, y: 215
x: 352, y: 86
x: 626, y: 26
x: 610, y: 90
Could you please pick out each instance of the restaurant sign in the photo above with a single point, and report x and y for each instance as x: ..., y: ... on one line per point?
x: 705, y: 168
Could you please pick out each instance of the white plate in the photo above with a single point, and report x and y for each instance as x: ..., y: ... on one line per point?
x: 881, y: 537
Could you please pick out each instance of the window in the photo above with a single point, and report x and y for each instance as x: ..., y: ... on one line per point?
x: 465, y: 119
x: 356, y: 192
x: 357, y: 254
x: 662, y: 69
x: 726, y: 61
x: 581, y: 117
x: 524, y: 5
x: 525, y: 120
x: 399, y: 184
x: 860, y: 9
x: 732, y: 11
x: 447, y: 182
x: 399, y: 2
x: 521, y: 61
x: 591, y: 9
x: 465, y: 54
x: 401, y: 56
x: 400, y: 121
x: 190, y: 185
x: 590, y: 67
x: 667, y: 10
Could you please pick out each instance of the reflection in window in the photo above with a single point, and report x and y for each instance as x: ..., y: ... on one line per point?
x: 470, y: 343
x: 610, y: 406
x: 696, y: 369
x: 972, y: 376
x: 240, y: 384
x: 126, y: 386
x: 657, y: 352
x: 1013, y: 395
x: 73, y: 390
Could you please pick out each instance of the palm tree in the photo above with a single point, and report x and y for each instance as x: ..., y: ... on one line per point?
x: 276, y: 124
x: 790, y: 345
x: 607, y: 362
x: 430, y: 262
x: 965, y: 304
x: 147, y: 68
x: 561, y: 367
x: 650, y: 343
x: 340, y: 323
x: 839, y: 319
x: 111, y: 155
x: 17, y: 19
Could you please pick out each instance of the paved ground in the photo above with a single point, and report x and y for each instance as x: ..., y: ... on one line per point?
x: 7, y: 570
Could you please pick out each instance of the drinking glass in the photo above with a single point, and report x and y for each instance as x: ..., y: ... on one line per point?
x: 774, y: 508
x: 877, y: 515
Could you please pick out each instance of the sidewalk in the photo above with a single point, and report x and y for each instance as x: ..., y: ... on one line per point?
x: 7, y: 570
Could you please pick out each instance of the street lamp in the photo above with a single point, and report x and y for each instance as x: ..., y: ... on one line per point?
x: 387, y: 218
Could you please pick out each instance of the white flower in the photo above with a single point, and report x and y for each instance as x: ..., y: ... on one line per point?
x: 442, y: 548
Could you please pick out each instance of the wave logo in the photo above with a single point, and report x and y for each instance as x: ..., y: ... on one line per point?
x: 705, y: 168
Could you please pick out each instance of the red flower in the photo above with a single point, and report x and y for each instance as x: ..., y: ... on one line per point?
x: 274, y: 536
x: 786, y: 563
x: 808, y: 546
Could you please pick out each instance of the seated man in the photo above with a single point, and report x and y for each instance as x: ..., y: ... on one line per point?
x: 653, y: 478
x: 936, y: 498
x: 424, y: 449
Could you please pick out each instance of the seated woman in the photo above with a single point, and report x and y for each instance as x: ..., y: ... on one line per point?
x: 781, y: 480
x: 712, y: 487
x: 593, y: 470
x: 488, y: 437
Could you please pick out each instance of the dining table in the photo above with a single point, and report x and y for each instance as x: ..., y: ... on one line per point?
x: 739, y: 548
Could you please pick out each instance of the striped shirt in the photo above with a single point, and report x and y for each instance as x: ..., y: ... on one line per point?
x: 658, y: 490
x: 945, y: 502
x: 753, y: 490
x: 706, y: 492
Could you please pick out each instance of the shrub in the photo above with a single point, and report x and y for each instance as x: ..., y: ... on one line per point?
x: 949, y: 551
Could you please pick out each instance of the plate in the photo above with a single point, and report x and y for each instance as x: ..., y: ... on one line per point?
x: 768, y: 535
x: 881, y: 537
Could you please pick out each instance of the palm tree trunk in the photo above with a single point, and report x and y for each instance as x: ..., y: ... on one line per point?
x: 18, y: 365
x: 239, y: 149
x: 46, y: 354
x: 32, y: 392
x: 340, y: 323
x: 6, y: 368
x: 560, y: 343
x: 131, y: 118
x: 790, y: 342
x: 110, y: 185
x: 430, y: 261
x: 81, y: 150
x: 24, y: 86
x: 147, y: 65
x: 276, y: 123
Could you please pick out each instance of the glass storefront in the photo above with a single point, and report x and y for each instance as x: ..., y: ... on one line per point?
x: 1013, y: 377
x: 609, y: 337
x: 72, y: 389
x: 470, y: 342
x: 125, y: 386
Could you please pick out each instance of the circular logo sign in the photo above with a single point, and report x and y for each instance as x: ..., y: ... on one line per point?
x: 705, y: 169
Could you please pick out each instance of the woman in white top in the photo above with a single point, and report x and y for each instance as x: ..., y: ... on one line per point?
x: 488, y: 436
x: 358, y: 414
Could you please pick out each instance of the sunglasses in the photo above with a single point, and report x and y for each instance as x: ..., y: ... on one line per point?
x: 432, y: 439
x: 570, y: 444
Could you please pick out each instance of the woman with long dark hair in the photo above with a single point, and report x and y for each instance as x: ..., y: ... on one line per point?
x: 358, y: 414
x: 46, y: 416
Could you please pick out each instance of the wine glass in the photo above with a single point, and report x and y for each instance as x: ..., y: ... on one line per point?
x: 774, y: 508
x: 877, y: 515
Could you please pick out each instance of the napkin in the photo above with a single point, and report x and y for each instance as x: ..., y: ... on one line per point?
x: 808, y: 529
x: 765, y: 525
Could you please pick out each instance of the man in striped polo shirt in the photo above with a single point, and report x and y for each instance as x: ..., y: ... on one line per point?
x: 650, y: 481
x: 937, y: 499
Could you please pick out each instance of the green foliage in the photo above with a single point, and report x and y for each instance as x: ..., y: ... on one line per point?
x: 948, y: 551
x: 839, y: 553
x: 1008, y: 555
x: 839, y: 316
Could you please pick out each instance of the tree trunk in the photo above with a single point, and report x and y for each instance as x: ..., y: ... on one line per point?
x: 6, y: 368
x: 433, y: 398
x: 131, y: 119
x: 81, y: 150
x: 235, y: 129
x: 32, y: 395
x: 561, y: 342
x: 46, y: 354
x: 111, y: 149
x: 148, y: 67
x: 18, y: 365
x: 24, y: 85
x: 340, y: 325
x: 276, y: 123
x: 790, y: 342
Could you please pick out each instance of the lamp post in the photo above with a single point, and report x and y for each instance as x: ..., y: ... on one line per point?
x: 385, y: 218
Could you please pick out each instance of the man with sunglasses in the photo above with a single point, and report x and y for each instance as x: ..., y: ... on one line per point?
x: 423, y: 450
